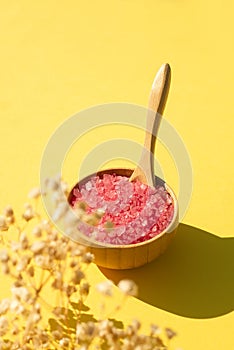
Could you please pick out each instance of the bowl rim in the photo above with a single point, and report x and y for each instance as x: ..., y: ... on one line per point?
x: 168, y: 230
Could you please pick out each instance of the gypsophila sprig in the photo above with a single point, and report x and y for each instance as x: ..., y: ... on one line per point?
x: 105, y: 288
x: 128, y: 287
x: 38, y: 258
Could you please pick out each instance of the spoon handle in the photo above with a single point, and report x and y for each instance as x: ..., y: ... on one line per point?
x: 144, y: 171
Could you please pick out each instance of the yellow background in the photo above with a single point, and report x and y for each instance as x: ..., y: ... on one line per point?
x: 60, y: 57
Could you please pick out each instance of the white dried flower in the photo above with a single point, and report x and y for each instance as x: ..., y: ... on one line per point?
x: 34, y: 193
x: 4, y: 306
x: 60, y: 211
x: 57, y: 197
x: 52, y: 184
x: 23, y: 241
x: 105, y: 327
x: 18, y: 283
x: 64, y: 342
x: 53, y: 236
x: 105, y: 288
x: 42, y: 261
x: 3, y: 224
x: 60, y: 252
x: 5, y: 268
x: 21, y: 293
x: 71, y: 219
x: 77, y: 251
x: 78, y: 275
x: 8, y: 211
x: 52, y: 245
x: 3, y: 325
x: 128, y: 344
x: 15, y: 330
x: 15, y: 246
x: 45, y: 225
x: 37, y: 307
x: 91, y: 329
x: 128, y: 287
x: 35, y: 317
x: 130, y: 331
x: 27, y: 206
x: 64, y: 187
x: 87, y: 258
x: 52, y: 254
x: 155, y: 330
x: 38, y: 247
x: 28, y: 214
x: 136, y: 325
x: 37, y: 231
x: 23, y: 263
x: 83, y: 347
x: 14, y: 260
x: 40, y: 341
x: 57, y: 334
x: 69, y: 290
x: 4, y: 257
x: 84, y: 289
x: 144, y: 346
x: 59, y: 312
x: 58, y: 280
x: 81, y: 332
x: 170, y: 333
x: 17, y: 307
x: 10, y: 220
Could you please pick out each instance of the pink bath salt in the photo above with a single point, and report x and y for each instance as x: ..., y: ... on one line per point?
x: 138, y: 212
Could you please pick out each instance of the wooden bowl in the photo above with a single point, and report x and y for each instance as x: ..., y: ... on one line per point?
x: 132, y: 255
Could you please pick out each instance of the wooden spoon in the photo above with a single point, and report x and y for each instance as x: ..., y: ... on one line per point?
x: 144, y: 171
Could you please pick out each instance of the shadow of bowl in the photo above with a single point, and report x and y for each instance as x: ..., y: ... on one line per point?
x: 194, y: 278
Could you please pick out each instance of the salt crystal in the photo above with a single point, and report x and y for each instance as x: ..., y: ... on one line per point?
x: 37, y: 247
x: 88, y: 186
x: 137, y: 211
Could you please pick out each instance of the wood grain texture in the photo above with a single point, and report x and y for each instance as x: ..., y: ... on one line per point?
x: 132, y: 255
x: 144, y: 171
